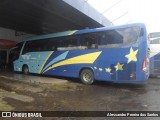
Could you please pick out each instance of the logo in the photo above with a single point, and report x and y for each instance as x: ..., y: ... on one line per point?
x: 6, y: 114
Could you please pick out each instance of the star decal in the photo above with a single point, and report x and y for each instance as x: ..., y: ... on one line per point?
x: 108, y: 70
x: 132, y: 55
x: 119, y: 66
x: 100, y: 69
x: 95, y: 68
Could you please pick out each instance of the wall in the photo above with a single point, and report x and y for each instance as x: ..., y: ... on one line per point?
x: 11, y: 35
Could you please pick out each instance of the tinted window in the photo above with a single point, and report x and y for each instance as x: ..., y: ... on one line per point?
x: 119, y: 37
x: 110, y: 38
x: 39, y: 45
x: 50, y: 45
x: 68, y: 43
x: 89, y: 41
x: 53, y: 44
x: 14, y: 54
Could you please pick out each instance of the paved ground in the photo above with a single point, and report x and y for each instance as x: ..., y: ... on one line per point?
x: 35, y: 93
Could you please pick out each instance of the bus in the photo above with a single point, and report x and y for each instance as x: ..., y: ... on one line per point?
x: 154, y: 40
x: 116, y: 53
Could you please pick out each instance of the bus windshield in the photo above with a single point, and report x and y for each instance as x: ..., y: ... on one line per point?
x: 14, y: 53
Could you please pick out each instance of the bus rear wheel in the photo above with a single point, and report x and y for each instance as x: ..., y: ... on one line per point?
x: 25, y: 70
x: 87, y: 77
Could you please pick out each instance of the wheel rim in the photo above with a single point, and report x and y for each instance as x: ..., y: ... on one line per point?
x: 87, y: 77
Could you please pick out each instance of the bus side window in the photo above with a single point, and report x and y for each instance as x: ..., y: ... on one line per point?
x: 68, y: 43
x: 88, y: 41
x: 28, y: 47
x: 51, y: 45
x: 103, y: 41
x: 61, y: 44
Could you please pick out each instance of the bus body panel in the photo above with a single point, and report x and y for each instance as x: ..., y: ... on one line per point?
x: 122, y: 64
x: 103, y: 65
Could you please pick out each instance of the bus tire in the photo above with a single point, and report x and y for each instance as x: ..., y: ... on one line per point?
x: 25, y: 69
x: 87, y: 76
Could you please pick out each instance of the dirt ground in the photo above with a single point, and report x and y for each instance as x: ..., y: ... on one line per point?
x: 71, y: 95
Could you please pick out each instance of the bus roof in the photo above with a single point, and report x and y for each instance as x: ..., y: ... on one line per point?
x: 83, y: 31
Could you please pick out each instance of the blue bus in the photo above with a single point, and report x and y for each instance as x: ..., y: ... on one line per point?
x: 116, y: 54
x: 154, y: 40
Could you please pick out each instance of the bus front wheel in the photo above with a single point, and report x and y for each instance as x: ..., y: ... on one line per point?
x: 25, y: 69
x: 87, y: 77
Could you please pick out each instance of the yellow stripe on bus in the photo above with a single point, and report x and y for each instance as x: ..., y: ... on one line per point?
x: 71, y: 33
x: 82, y: 59
x: 45, y: 61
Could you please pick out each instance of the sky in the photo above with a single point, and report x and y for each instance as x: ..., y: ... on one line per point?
x: 130, y: 11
